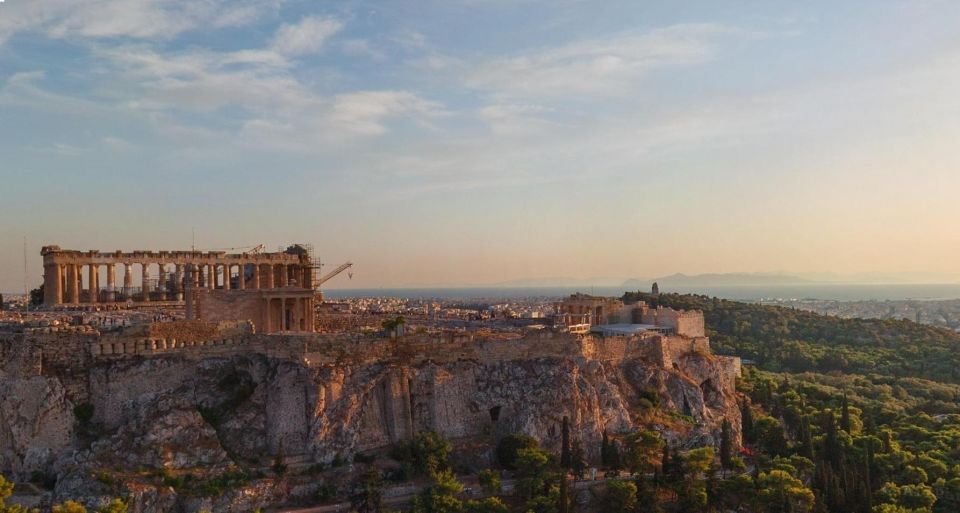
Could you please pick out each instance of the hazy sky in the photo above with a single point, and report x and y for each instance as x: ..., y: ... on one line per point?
x: 459, y: 142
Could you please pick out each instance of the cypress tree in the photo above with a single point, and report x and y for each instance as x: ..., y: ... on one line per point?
x: 605, y: 450
x: 564, y: 499
x: 578, y: 463
x: 867, y: 479
x: 831, y: 446
x: 845, y: 414
x: 746, y: 412
x: 615, y: 463
x: 805, y: 439
x: 726, y: 446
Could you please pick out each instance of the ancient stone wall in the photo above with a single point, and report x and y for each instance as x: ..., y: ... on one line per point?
x: 197, y: 330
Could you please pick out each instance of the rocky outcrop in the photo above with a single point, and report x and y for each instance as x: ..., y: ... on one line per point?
x: 202, y: 416
x: 36, y: 424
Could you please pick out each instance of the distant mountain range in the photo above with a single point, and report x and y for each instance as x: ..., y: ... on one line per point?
x: 735, y: 279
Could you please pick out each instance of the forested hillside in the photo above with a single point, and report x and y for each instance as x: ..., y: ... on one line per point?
x: 783, y: 339
x: 862, y: 413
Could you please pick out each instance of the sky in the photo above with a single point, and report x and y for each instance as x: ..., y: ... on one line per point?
x: 466, y: 142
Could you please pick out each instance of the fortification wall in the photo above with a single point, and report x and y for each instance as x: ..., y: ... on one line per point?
x: 286, y: 347
x: 69, y: 355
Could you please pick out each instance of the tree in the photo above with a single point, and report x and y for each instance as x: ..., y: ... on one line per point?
x: 565, y: 456
x: 366, y: 495
x: 563, y: 501
x: 746, y: 413
x: 697, y: 462
x: 114, y: 506
x: 641, y: 450
x: 490, y: 481
x: 441, y: 497
x: 68, y: 507
x: 6, y: 490
x: 36, y: 298
x: 578, y: 461
x: 394, y: 326
x: 616, y: 463
x: 510, y: 446
x: 845, y: 414
x: 605, y: 450
x: 726, y: 446
x: 488, y: 505
x: 779, y: 492
x: 431, y: 452
x: 533, y: 467
x: 621, y: 497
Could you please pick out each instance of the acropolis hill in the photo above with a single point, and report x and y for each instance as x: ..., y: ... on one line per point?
x: 201, y: 395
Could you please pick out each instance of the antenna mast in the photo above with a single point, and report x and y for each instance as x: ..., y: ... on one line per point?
x: 26, y: 279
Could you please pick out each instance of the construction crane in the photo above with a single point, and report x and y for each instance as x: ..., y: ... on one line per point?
x: 326, y: 277
x: 248, y: 249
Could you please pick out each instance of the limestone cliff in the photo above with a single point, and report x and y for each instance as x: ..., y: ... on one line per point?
x: 206, y: 413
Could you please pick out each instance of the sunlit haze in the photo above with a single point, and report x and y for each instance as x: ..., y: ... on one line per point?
x: 448, y: 143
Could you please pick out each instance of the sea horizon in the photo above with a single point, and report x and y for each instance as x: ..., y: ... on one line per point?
x: 821, y: 291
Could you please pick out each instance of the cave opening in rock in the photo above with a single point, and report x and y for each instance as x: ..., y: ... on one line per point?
x: 495, y: 413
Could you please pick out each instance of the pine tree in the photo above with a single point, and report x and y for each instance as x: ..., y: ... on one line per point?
x: 565, y: 459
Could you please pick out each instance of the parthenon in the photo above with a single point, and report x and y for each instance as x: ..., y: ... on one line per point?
x: 274, y: 290
x: 163, y: 274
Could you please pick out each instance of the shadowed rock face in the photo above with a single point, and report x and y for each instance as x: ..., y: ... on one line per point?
x: 204, y: 415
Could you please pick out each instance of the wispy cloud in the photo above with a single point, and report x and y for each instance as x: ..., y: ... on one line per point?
x: 277, y: 109
x: 141, y: 19
x: 610, y: 65
x: 306, y: 37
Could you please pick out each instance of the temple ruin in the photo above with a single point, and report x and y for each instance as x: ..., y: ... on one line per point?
x: 275, y: 291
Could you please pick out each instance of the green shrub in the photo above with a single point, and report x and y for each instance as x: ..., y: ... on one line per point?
x: 510, y: 445
x: 83, y: 413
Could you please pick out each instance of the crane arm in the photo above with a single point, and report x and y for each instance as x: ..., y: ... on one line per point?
x: 326, y: 277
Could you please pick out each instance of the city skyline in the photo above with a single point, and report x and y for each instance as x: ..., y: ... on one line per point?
x: 471, y: 142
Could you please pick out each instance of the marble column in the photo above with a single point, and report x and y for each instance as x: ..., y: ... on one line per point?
x: 145, y: 280
x: 51, y: 284
x: 179, y: 282
x: 188, y: 294
x: 226, y: 276
x: 161, y: 281
x: 92, y: 285
x: 268, y: 276
x: 111, y: 283
x: 73, y: 291
x: 268, y: 315
x: 211, y: 276
x: 63, y: 282
x: 127, y: 280
x: 256, y: 276
x: 241, y: 276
